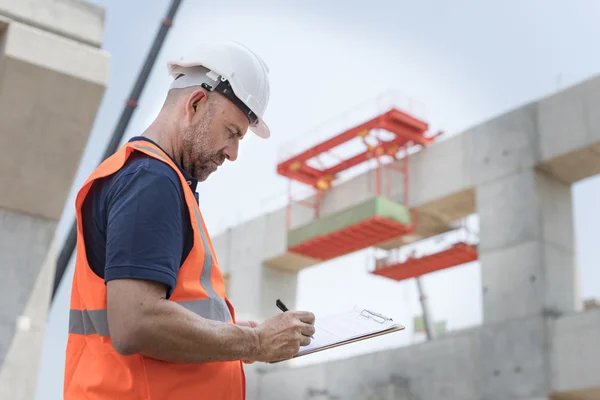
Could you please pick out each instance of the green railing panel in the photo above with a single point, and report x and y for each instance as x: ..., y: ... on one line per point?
x: 381, y: 206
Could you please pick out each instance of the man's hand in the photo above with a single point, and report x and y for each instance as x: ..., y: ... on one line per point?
x: 280, y: 337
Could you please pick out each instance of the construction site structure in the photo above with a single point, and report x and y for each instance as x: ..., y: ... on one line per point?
x: 53, y: 74
x: 377, y: 221
x: 369, y: 223
x: 514, y: 172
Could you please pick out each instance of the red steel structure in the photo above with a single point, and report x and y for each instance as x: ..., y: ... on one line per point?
x: 458, y: 254
x: 407, y: 131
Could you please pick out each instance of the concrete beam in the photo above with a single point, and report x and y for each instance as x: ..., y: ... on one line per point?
x: 50, y: 90
x: 569, y: 128
x: 73, y: 19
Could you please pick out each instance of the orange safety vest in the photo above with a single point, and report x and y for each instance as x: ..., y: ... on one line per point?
x: 94, y: 370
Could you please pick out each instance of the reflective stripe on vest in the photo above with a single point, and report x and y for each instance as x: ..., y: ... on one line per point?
x: 91, y: 322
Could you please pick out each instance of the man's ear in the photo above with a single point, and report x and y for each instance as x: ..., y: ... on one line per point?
x: 194, y: 103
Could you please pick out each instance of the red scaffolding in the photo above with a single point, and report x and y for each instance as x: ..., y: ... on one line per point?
x: 406, y: 132
x: 406, y: 129
x: 457, y: 254
x: 461, y: 251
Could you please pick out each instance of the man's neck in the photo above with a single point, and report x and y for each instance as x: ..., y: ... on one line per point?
x: 159, y: 134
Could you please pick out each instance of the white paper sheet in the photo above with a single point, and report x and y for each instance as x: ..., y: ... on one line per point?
x: 352, y: 324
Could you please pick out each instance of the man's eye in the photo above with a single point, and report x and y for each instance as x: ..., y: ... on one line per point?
x: 235, y: 133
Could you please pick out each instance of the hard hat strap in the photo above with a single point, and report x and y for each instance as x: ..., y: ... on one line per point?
x: 224, y: 87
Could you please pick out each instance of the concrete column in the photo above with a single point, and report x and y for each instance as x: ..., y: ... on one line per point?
x: 527, y: 247
x: 253, y: 287
x: 52, y: 78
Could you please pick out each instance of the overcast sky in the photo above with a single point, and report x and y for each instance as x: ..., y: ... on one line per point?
x: 465, y: 61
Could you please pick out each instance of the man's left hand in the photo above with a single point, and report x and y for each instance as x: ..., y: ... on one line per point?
x: 249, y: 324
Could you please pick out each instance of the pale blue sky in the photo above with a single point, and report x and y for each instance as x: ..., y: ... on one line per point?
x: 466, y: 61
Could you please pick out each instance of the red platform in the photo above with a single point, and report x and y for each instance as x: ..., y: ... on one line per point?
x: 458, y: 254
x: 405, y: 128
x: 366, y: 233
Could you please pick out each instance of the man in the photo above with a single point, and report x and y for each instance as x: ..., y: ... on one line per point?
x: 149, y: 316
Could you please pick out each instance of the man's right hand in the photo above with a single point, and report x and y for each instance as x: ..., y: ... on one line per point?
x: 280, y: 337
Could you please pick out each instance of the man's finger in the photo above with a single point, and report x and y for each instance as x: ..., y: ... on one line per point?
x: 306, y: 317
x: 305, y: 341
x: 308, y: 330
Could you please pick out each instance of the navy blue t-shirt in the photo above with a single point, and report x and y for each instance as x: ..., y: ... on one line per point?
x: 136, y: 223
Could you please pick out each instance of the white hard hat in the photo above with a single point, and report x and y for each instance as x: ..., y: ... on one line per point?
x: 232, y: 70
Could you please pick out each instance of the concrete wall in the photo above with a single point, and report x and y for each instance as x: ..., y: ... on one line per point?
x: 525, y: 359
x: 52, y: 78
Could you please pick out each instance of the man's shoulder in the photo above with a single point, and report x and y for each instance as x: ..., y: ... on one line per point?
x: 145, y: 165
x: 141, y: 170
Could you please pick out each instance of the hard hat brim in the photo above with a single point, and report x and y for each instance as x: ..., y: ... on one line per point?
x: 261, y: 129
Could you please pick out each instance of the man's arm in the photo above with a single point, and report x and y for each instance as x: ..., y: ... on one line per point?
x: 145, y: 239
x: 141, y: 320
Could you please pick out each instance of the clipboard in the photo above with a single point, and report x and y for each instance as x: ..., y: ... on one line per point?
x: 352, y: 326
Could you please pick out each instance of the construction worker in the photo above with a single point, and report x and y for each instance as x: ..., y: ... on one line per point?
x: 149, y: 315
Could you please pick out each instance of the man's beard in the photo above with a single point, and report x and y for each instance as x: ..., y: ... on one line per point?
x: 199, y: 162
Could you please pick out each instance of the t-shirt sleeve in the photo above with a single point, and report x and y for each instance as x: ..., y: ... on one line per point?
x: 145, y: 235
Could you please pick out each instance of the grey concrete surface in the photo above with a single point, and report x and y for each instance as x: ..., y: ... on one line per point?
x: 73, y: 19
x: 525, y: 359
x: 23, y: 245
x: 50, y: 89
x: 526, y: 247
x: 52, y: 78
x: 18, y: 372
x: 515, y: 171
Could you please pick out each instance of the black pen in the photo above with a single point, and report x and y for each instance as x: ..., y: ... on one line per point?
x: 283, y: 308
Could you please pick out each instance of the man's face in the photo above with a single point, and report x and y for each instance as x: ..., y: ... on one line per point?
x: 211, y: 133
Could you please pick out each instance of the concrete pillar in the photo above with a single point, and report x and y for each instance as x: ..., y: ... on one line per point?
x: 52, y: 79
x: 253, y: 287
x: 527, y: 246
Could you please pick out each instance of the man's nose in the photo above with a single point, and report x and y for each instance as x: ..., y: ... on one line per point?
x: 231, y: 152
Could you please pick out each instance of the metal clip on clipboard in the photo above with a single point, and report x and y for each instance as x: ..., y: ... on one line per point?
x: 375, y: 316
